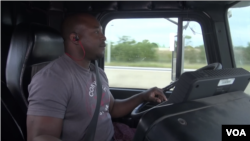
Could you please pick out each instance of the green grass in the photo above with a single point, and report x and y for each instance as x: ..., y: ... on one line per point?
x: 139, y: 64
x: 246, y: 67
x: 160, y: 65
x: 152, y: 64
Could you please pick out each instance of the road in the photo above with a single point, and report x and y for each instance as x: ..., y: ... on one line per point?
x: 138, y: 77
x: 130, y: 77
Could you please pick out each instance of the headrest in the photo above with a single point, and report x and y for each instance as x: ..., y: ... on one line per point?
x: 47, y: 44
x: 36, y: 42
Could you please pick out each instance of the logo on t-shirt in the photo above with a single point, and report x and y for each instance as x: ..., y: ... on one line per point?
x: 104, y: 100
x: 92, y: 89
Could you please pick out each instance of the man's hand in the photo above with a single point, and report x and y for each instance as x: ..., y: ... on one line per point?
x: 154, y: 95
x: 119, y: 108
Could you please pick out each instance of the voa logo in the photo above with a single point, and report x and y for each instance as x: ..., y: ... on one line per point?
x: 236, y: 132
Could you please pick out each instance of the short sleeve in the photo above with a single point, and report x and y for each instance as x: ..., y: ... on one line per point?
x: 48, y: 95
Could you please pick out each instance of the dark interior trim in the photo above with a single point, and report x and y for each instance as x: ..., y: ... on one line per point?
x: 229, y: 37
x: 179, y: 48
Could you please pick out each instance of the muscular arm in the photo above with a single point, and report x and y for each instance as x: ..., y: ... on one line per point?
x: 48, y: 98
x: 41, y: 128
x: 119, y: 108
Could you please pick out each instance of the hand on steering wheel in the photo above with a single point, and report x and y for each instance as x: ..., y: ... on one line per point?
x: 154, y: 95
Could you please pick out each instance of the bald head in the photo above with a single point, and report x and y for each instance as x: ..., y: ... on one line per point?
x: 75, y: 23
x: 91, y: 40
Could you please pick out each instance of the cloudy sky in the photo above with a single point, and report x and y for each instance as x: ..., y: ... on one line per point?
x: 158, y: 30
x: 240, y: 26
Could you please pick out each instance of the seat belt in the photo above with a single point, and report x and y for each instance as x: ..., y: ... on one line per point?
x: 90, y: 131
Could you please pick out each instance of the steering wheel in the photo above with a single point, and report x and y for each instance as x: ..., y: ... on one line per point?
x: 140, y: 110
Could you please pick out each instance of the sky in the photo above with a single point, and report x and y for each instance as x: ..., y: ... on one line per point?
x: 239, y: 25
x: 158, y: 30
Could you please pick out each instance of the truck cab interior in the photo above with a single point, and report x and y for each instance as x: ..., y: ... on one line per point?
x: 197, y: 51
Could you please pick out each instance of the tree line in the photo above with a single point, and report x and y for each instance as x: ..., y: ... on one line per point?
x: 128, y: 50
x: 242, y: 55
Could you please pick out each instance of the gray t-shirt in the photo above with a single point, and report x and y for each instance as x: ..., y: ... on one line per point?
x: 63, y: 89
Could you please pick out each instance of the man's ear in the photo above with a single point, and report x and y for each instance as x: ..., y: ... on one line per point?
x: 73, y: 38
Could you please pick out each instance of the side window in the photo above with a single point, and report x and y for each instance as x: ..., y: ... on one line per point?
x: 140, y: 53
x: 194, y: 50
x: 239, y: 25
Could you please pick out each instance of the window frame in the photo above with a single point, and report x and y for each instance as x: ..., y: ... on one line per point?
x: 211, y: 48
x: 229, y: 36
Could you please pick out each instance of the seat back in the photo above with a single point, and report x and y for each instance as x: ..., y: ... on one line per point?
x: 32, y: 47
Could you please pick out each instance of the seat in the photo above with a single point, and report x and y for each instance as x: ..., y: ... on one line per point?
x: 13, y: 119
x: 12, y: 14
x: 32, y: 47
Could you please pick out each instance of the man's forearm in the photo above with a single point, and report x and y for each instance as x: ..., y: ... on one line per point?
x: 123, y: 107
